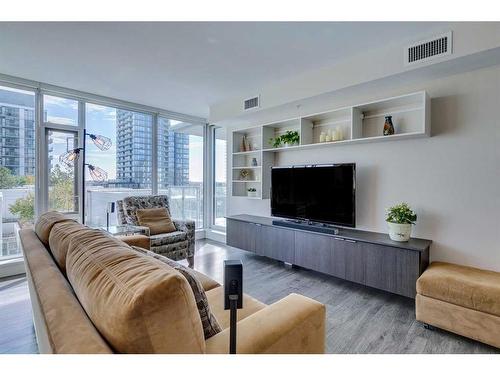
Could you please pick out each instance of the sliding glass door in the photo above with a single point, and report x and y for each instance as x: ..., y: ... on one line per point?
x: 62, y: 182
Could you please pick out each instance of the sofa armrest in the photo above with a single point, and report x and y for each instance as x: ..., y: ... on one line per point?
x: 294, y: 324
x: 187, y: 226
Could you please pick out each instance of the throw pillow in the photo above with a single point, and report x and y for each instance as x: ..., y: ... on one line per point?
x: 156, y: 219
x: 210, y: 324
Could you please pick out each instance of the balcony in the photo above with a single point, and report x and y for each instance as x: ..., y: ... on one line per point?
x: 9, y: 223
x: 186, y: 202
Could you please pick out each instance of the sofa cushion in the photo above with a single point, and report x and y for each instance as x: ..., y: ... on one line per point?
x: 45, y: 222
x: 210, y: 325
x: 207, y: 282
x: 463, y: 286
x: 138, y: 304
x: 216, y: 301
x: 60, y: 321
x: 59, y: 238
x: 158, y: 220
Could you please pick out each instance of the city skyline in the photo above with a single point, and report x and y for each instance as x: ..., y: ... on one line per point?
x: 101, y: 120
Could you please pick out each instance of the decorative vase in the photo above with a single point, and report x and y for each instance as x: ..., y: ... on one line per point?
x: 322, y: 137
x: 254, y: 162
x: 338, y: 132
x: 247, y: 144
x: 243, y: 145
x: 399, y: 232
x: 388, y: 127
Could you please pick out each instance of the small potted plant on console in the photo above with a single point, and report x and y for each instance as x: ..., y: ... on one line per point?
x: 400, y: 218
x: 252, y: 192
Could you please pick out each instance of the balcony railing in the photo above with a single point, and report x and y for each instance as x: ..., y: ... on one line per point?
x: 9, y: 223
x: 186, y: 202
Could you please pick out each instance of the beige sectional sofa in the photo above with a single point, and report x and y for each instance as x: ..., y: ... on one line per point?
x: 92, y: 293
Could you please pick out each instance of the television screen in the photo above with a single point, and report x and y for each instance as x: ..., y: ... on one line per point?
x: 323, y: 193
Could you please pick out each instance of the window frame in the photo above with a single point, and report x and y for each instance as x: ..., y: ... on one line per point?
x: 41, y: 126
x: 211, y: 170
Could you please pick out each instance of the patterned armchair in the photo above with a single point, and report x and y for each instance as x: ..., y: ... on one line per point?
x: 176, y: 245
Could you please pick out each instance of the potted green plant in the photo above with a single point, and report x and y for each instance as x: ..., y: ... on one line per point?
x: 290, y: 138
x: 252, y: 192
x: 399, y: 219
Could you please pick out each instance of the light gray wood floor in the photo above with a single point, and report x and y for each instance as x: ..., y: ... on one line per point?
x: 359, y: 319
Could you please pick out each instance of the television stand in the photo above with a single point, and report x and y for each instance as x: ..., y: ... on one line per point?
x: 308, y: 225
x: 360, y: 256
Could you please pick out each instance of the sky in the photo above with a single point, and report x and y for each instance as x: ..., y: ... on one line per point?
x: 102, y: 120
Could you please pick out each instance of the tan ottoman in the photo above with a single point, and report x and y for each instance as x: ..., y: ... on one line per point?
x: 138, y: 240
x: 460, y: 299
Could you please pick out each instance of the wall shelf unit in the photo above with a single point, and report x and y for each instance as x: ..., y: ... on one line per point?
x: 361, y: 123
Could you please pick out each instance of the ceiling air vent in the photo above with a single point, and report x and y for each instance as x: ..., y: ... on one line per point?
x: 429, y: 49
x: 251, y: 103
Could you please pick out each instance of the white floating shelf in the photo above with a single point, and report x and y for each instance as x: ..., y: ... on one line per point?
x: 247, y: 152
x: 362, y: 123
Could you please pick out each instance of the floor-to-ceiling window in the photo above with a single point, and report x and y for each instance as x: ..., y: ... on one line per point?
x: 39, y: 124
x: 180, y: 167
x: 219, y: 177
x: 17, y: 167
x: 127, y: 162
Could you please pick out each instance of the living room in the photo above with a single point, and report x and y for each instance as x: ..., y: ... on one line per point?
x: 307, y: 186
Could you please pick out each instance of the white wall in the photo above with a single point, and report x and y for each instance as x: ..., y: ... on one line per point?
x: 452, y: 179
x: 474, y: 43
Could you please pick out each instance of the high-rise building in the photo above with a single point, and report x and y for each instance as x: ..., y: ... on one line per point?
x: 133, y: 164
x: 173, y: 156
x: 17, y: 132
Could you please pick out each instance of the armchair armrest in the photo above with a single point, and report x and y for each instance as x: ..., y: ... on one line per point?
x: 184, y: 225
x: 187, y: 226
x: 294, y: 324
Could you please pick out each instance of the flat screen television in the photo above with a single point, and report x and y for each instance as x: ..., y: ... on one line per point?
x: 324, y: 193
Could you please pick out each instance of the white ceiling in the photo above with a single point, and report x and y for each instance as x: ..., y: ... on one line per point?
x: 185, y: 67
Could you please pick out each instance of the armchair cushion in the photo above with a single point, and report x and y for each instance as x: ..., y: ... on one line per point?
x: 132, y: 204
x: 156, y: 219
x: 168, y: 238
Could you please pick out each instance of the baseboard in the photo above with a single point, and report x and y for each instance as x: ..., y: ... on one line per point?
x: 215, y: 235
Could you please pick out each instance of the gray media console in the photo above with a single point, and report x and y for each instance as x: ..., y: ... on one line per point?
x: 363, y: 257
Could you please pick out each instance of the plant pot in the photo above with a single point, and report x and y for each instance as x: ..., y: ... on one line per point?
x: 252, y: 194
x: 399, y: 232
x: 290, y: 144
